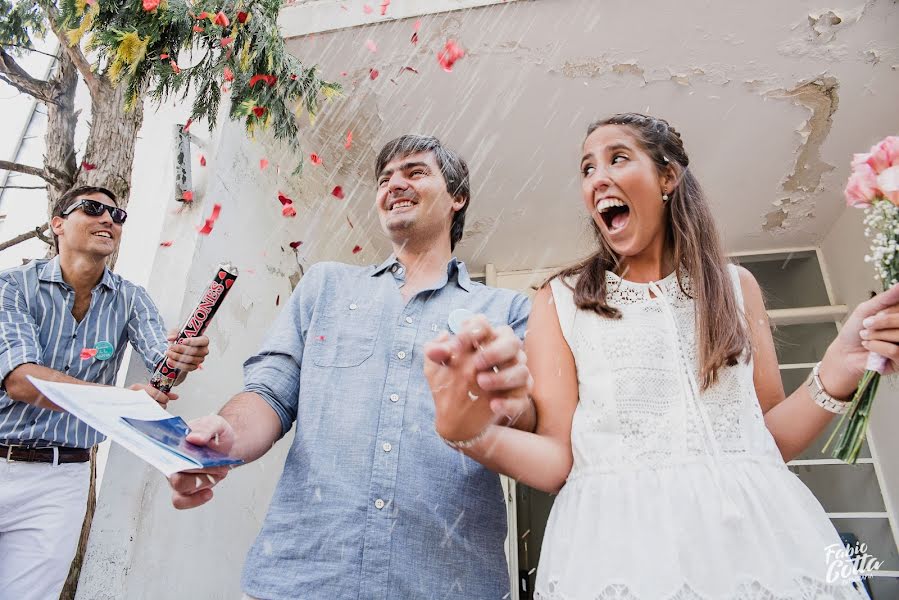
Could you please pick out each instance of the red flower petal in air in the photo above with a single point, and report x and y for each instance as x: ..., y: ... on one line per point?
x: 337, y: 192
x: 289, y: 211
x: 216, y: 211
x: 384, y: 5
x: 263, y: 164
x: 221, y: 19
x: 296, y: 244
x: 175, y: 66
x: 187, y: 196
x: 371, y: 45
x: 373, y: 73
x: 366, y: 9
x: 283, y: 199
x: 205, y: 229
x: 242, y: 17
x: 259, y: 111
x: 87, y: 353
x: 166, y: 244
x: 349, y: 140
x: 315, y: 159
x: 87, y: 166
x: 202, y: 161
x: 449, y: 55
x: 357, y: 249
x: 187, y: 125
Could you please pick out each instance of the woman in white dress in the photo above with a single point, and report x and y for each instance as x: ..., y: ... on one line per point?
x: 662, y: 421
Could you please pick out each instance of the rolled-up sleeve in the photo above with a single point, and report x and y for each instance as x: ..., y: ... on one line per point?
x: 518, y: 315
x: 274, y: 371
x: 146, y: 331
x: 18, y: 331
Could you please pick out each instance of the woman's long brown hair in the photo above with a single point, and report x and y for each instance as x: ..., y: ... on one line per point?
x: 692, y: 239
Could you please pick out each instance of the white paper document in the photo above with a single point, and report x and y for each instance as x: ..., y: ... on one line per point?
x: 106, y: 408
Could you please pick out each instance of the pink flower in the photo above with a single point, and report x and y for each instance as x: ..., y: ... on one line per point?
x: 151, y: 5
x: 885, y: 154
x: 861, y: 187
x: 888, y: 182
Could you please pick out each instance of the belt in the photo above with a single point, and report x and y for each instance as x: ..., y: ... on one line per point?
x: 44, y: 455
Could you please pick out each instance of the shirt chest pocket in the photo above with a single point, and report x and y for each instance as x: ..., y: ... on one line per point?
x: 345, y: 335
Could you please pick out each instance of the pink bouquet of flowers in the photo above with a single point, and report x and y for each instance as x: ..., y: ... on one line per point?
x: 873, y: 186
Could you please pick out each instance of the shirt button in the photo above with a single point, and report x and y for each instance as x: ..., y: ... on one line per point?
x: 394, y: 397
x: 387, y: 447
x: 67, y: 367
x: 409, y: 320
x: 401, y: 355
x: 353, y: 307
x: 394, y: 268
x: 379, y: 504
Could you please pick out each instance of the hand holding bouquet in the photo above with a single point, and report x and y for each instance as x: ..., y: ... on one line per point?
x: 873, y: 186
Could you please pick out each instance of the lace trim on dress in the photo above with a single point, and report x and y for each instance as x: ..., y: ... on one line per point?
x: 804, y: 588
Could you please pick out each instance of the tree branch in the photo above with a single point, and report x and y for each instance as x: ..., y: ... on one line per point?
x: 28, y: 170
x: 53, y: 56
x: 37, y: 232
x: 23, y: 187
x: 73, y: 51
x: 22, y: 81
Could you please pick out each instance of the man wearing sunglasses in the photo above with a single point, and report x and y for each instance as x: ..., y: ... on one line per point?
x: 65, y: 319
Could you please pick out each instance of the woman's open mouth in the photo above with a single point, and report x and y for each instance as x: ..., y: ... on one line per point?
x: 615, y: 213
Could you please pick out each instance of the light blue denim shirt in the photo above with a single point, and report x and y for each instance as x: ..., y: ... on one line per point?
x: 371, y: 503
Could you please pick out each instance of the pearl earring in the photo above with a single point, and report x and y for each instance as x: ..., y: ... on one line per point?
x: 664, y: 197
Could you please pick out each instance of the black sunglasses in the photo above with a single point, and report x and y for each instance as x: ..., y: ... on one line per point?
x: 95, y: 209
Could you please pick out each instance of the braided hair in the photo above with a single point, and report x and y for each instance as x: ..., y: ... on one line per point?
x: 690, y: 237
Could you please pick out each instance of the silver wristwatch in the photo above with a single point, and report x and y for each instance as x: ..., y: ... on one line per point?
x: 821, y: 397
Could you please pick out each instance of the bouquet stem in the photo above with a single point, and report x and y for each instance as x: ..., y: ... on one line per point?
x: 853, y: 424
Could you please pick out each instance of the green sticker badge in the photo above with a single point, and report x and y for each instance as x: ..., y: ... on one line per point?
x: 105, y: 350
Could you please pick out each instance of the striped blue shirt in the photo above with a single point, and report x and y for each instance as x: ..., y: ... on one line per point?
x: 37, y: 326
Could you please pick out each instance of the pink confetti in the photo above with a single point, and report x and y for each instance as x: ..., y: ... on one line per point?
x: 88, y: 166
x: 357, y: 249
x: 384, y: 5
x: 449, y: 55
x: 371, y: 45
x: 296, y: 244
x: 337, y: 192
x: 167, y: 243
x: 289, y: 211
x: 206, y: 229
x: 284, y: 199
x: 343, y: 73
x: 349, y: 140
x: 187, y: 125
x: 411, y: 69
x: 315, y: 159
x: 202, y: 161
x: 367, y: 9
x: 263, y: 164
x: 226, y: 42
x: 321, y: 338
x: 187, y: 196
x: 373, y: 73
x: 87, y: 353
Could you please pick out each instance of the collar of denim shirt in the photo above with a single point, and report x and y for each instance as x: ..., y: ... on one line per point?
x: 453, y: 267
x: 52, y: 272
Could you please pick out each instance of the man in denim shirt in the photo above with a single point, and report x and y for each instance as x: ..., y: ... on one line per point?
x: 372, y: 503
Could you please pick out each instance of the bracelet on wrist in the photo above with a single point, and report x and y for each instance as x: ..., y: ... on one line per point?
x: 820, y: 395
x: 465, y: 444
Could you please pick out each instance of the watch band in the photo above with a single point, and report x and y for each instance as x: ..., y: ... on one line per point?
x: 820, y: 395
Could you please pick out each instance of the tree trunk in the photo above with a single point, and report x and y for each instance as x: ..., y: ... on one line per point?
x: 110, y: 149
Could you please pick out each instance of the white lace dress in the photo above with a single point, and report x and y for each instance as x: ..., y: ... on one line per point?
x: 675, y: 493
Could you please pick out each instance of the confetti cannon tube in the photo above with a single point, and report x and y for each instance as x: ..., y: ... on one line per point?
x: 165, y: 374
